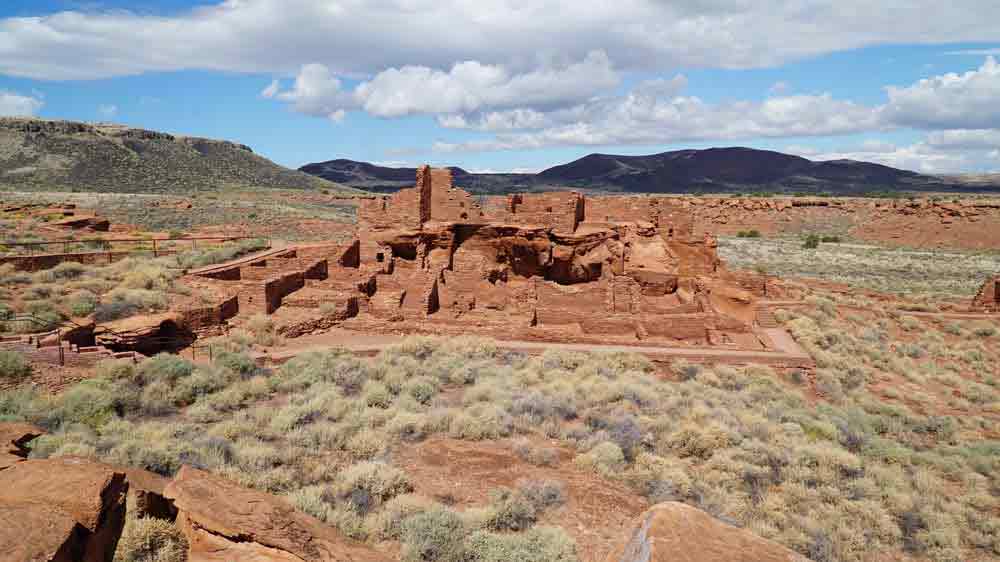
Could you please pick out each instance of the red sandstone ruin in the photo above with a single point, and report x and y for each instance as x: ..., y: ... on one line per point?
x: 988, y: 298
x: 554, y: 266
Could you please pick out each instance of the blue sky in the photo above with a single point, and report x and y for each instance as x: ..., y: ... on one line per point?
x: 493, y: 85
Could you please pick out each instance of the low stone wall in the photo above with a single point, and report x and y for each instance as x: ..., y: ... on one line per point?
x: 277, y: 288
x: 201, y: 318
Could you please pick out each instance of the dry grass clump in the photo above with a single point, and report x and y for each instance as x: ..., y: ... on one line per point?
x: 147, y: 539
x: 836, y: 481
x: 263, y: 331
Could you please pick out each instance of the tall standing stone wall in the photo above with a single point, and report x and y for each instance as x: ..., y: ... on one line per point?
x: 561, y: 211
x: 447, y: 203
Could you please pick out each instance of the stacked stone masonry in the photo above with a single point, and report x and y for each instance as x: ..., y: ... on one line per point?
x: 557, y: 263
x: 988, y: 298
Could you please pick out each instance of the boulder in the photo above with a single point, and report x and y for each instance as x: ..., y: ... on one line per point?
x: 39, y: 532
x: 223, y: 521
x: 65, y: 509
x: 676, y: 532
x: 14, y: 439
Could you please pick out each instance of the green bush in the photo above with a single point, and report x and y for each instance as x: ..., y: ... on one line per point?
x: 122, y: 303
x: 163, y: 367
x: 433, y: 535
x: 82, y: 303
x: 13, y: 366
x: 811, y: 242
x: 510, y: 510
x: 748, y: 234
x: 605, y: 458
x: 544, y: 544
x: 367, y: 485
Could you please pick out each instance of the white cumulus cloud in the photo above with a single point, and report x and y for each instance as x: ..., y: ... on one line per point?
x: 949, y: 101
x: 363, y: 37
x: 17, y: 105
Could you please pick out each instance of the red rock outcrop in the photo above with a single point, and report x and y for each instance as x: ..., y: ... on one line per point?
x: 676, y: 532
x: 223, y: 522
x: 61, y: 510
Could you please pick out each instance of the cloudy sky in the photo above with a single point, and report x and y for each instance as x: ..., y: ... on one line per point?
x: 500, y: 85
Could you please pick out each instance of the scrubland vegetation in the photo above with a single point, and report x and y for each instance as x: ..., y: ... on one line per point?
x: 832, y: 466
x: 106, y: 292
x: 944, y: 273
x: 278, y: 213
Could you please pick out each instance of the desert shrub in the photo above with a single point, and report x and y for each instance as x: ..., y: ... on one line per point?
x: 367, y: 485
x: 748, y: 234
x: 409, y: 426
x: 826, y: 239
x: 539, y: 456
x: 262, y: 328
x: 482, y: 421
x: 163, y: 367
x: 686, y: 370
x: 422, y: 389
x: 510, y: 510
x: 13, y: 366
x: 147, y: 277
x: 811, y: 242
x: 984, y: 330
x: 91, y: 403
x: 239, y: 363
x: 334, y: 366
x: 82, y: 303
x: 606, y: 458
x: 620, y: 429
x: 543, y: 494
x: 953, y: 328
x: 150, y: 540
x: 543, y: 544
x: 225, y: 252
x: 122, y: 303
x: 436, y: 534
x: 68, y: 270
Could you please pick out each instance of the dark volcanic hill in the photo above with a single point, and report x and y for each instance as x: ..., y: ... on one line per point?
x: 45, y: 155
x: 713, y: 170
x: 368, y: 176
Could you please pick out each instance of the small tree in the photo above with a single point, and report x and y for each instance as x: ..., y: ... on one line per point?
x: 812, y: 242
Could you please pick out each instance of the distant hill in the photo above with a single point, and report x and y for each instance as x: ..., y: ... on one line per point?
x: 46, y: 155
x: 713, y: 170
x: 367, y: 176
